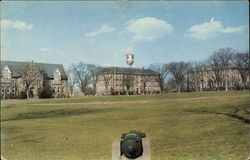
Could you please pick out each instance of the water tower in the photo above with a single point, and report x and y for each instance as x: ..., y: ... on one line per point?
x: 130, y: 59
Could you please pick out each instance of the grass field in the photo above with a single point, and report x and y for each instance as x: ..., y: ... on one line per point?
x: 187, y: 126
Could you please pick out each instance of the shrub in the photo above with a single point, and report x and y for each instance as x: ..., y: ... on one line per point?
x: 22, y: 95
x: 45, y: 93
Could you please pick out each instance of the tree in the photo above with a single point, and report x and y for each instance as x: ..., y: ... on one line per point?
x: 45, y: 92
x: 163, y: 70
x: 15, y: 86
x: 30, y: 74
x: 211, y: 81
x: 93, y: 70
x: 128, y: 81
x: 178, y: 70
x: 145, y: 79
x: 107, y: 79
x: 216, y: 68
x: 241, y: 62
x: 195, y: 75
x: 82, y: 75
x: 219, y: 63
x: 225, y: 56
x: 72, y: 81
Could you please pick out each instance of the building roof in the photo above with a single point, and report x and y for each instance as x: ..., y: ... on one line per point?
x: 131, y: 71
x: 47, y: 68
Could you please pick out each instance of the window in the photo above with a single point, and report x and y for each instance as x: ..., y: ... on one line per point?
x: 6, y: 75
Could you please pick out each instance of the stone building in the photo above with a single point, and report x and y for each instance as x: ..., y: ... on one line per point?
x: 51, y: 77
x: 205, y: 80
x: 119, y: 80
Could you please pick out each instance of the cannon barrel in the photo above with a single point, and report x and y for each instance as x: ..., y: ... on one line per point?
x: 131, y: 144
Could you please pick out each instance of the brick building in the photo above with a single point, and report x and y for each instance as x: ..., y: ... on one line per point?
x: 206, y: 80
x: 52, y: 76
x: 119, y: 80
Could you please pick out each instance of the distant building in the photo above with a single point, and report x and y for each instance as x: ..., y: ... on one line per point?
x: 205, y: 79
x: 52, y: 76
x: 119, y: 80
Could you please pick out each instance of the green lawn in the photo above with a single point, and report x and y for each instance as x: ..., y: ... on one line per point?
x: 187, y: 126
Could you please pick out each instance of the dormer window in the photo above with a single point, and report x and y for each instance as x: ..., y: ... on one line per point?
x: 57, y: 77
x: 6, y: 75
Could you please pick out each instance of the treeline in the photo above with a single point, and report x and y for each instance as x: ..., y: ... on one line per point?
x: 173, y: 75
x: 84, y: 77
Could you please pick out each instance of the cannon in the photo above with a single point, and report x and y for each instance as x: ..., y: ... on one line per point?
x: 131, y: 145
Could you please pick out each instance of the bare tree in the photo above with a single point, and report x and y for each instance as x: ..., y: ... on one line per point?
x: 196, y: 75
x: 14, y: 86
x: 82, y: 75
x: 210, y: 81
x: 93, y: 70
x: 128, y: 81
x: 107, y: 79
x: 178, y: 70
x: 163, y: 70
x: 225, y: 56
x: 30, y: 75
x: 241, y: 62
x: 219, y: 63
x: 216, y: 68
x: 72, y: 81
x: 145, y: 79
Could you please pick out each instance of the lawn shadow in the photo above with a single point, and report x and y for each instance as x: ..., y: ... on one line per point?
x: 56, y: 113
x: 234, y: 114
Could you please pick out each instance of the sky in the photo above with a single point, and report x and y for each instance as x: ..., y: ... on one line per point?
x: 103, y: 33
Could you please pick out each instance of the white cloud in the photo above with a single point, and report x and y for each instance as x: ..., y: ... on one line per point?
x: 234, y: 29
x: 129, y: 22
x: 211, y: 30
x: 148, y: 29
x: 44, y: 49
x: 20, y: 25
x: 104, y: 29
